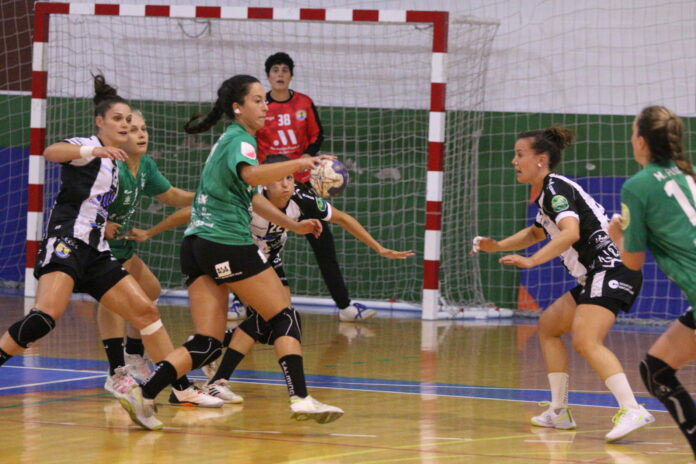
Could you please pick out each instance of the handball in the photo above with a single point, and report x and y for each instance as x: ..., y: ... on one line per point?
x: 330, y: 178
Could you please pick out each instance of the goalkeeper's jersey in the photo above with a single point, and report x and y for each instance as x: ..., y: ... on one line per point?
x: 658, y: 205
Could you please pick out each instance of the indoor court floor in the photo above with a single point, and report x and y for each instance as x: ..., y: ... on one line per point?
x: 413, y: 392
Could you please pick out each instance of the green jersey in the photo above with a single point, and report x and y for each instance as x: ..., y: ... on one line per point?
x: 222, y: 206
x: 149, y: 181
x: 658, y: 209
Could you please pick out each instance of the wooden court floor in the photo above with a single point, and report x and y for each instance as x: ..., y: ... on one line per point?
x: 413, y: 392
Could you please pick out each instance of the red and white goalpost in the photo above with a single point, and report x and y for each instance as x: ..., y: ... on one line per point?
x: 52, y: 99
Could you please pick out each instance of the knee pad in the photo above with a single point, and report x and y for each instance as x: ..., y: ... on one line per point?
x: 286, y: 324
x: 659, y: 378
x: 203, y: 350
x: 35, y: 325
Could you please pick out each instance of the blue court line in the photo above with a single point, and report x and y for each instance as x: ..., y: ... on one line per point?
x: 40, y: 374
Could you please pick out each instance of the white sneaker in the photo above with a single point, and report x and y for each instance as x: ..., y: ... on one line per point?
x: 355, y: 313
x: 120, y: 382
x: 220, y: 389
x: 211, y: 368
x: 140, y: 410
x: 627, y: 421
x: 138, y: 367
x: 194, y: 396
x: 306, y: 408
x: 237, y: 311
x: 554, y: 418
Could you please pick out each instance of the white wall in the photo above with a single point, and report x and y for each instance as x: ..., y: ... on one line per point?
x: 589, y: 56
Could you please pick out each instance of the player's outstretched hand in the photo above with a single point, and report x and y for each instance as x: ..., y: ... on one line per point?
x: 137, y: 235
x: 615, y: 231
x: 517, y: 260
x: 110, y: 152
x: 393, y: 254
x: 486, y: 244
x: 111, y: 230
x: 313, y: 162
x: 308, y: 226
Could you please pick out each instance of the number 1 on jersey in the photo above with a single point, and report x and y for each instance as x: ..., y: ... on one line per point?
x: 673, y: 190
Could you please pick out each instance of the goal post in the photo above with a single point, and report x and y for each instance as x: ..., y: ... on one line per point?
x: 381, y: 80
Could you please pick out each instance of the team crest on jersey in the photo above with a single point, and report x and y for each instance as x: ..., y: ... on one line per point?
x: 62, y: 250
x: 301, y: 115
x: 559, y: 203
x: 248, y: 150
x: 321, y: 204
x: 625, y: 216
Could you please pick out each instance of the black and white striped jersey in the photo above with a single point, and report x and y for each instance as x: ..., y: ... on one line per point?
x: 560, y: 198
x: 270, y: 238
x: 87, y: 187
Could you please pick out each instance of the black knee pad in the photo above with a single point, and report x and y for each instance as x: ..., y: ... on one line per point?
x: 286, y: 324
x: 35, y: 325
x: 203, y: 350
x: 659, y: 378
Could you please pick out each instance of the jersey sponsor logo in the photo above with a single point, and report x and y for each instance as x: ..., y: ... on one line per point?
x: 559, y: 203
x: 62, y: 250
x: 248, y: 150
x: 223, y: 269
x: 321, y: 204
x: 202, y: 199
x: 625, y: 216
x: 301, y: 115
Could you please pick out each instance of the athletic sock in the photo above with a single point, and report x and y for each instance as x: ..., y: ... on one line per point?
x: 228, y: 337
x: 135, y: 346
x: 559, y: 389
x: 114, y: 353
x: 163, y: 375
x: 182, y: 383
x: 293, y: 371
x: 229, y: 363
x: 618, y: 385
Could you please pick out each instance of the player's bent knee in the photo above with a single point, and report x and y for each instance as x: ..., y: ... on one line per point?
x: 144, y: 315
x: 35, y: 325
x: 286, y: 324
x: 203, y: 350
x: 658, y: 376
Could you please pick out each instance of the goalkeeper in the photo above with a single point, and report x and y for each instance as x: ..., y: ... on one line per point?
x: 293, y: 129
x: 298, y: 204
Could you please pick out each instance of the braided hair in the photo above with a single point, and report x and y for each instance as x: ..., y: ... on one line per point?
x: 663, y: 132
x: 105, y: 96
x: 551, y: 141
x: 233, y: 90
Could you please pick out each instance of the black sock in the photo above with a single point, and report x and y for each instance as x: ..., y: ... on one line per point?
x: 294, y: 374
x: 229, y: 363
x: 228, y: 337
x: 182, y: 383
x: 4, y: 356
x: 135, y: 346
x: 163, y: 375
x: 114, y: 353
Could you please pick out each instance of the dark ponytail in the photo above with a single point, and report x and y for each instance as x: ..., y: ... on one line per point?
x: 663, y: 131
x: 552, y: 141
x: 233, y: 90
x: 104, y: 96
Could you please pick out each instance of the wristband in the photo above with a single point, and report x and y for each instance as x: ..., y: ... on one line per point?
x: 86, y: 151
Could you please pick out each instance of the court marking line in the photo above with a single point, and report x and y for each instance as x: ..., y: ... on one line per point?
x: 352, y: 435
x: 49, y: 382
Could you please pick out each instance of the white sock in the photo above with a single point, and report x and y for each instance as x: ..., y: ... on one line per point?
x: 618, y: 385
x: 559, y: 389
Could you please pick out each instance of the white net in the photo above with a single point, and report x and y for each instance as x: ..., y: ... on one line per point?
x: 371, y: 83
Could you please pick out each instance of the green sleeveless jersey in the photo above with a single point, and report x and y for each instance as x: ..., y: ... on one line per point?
x: 659, y: 209
x: 148, y: 181
x: 222, y: 206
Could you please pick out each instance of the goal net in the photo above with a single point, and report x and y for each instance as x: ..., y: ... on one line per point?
x: 380, y: 83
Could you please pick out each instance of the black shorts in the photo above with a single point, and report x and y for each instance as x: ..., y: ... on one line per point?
x: 277, y: 263
x: 614, y: 289
x: 688, y: 319
x: 258, y: 329
x: 224, y: 263
x: 94, y: 272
